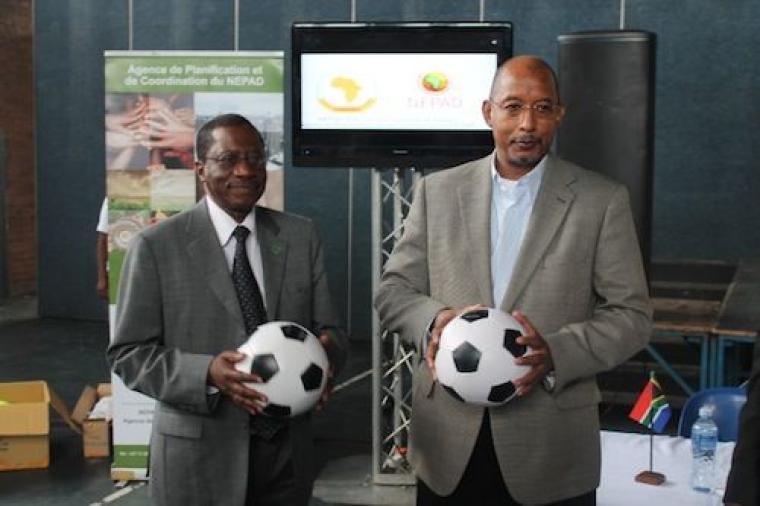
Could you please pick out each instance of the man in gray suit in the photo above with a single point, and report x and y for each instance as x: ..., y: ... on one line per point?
x: 183, y: 311
x: 555, y: 244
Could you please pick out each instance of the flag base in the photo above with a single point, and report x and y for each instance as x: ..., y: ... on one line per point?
x: 650, y: 478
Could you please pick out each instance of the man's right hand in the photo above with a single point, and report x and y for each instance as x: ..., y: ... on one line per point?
x: 102, y: 287
x: 442, y: 319
x: 223, y: 375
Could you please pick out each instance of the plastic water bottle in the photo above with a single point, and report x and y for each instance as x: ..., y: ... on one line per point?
x: 704, y: 441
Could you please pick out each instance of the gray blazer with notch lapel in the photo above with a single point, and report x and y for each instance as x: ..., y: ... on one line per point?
x: 177, y: 309
x: 578, y: 278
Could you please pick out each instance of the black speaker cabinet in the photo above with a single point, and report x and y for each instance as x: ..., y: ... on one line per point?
x: 607, y: 85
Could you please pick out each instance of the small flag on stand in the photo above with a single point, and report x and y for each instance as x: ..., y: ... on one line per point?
x: 651, y: 409
x: 653, y: 412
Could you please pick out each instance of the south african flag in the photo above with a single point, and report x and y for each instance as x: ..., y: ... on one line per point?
x: 651, y: 409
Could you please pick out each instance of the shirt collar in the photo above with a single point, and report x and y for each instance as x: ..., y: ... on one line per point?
x: 532, y: 180
x: 224, y: 224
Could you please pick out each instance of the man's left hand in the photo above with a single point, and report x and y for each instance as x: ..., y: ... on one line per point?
x: 327, y: 392
x: 538, y: 357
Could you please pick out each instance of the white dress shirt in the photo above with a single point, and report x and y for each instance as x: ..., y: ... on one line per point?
x: 224, y: 225
x: 511, y: 205
x: 102, y: 226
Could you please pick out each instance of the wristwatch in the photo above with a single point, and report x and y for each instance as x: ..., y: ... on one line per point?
x: 549, y: 381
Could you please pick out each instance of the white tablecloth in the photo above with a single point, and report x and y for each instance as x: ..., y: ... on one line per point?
x: 624, y: 455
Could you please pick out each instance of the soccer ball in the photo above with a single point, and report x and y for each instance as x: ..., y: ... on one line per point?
x: 292, y: 365
x: 475, y: 359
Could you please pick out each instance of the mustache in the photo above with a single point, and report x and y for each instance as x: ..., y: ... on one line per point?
x: 249, y: 186
x: 525, y: 138
x: 244, y: 182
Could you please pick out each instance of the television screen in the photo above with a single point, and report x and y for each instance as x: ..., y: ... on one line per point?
x: 393, y: 95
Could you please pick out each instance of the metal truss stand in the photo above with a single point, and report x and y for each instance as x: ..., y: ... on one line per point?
x: 392, y: 360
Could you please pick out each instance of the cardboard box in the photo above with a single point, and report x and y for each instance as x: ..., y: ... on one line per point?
x: 96, y: 433
x: 25, y: 424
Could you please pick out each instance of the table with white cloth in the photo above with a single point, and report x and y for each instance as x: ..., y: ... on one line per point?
x: 624, y: 455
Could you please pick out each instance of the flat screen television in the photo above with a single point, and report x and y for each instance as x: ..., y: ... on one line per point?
x: 393, y: 94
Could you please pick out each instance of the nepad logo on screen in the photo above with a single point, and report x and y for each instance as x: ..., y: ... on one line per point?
x: 347, y: 94
x: 435, y: 82
x: 438, y: 93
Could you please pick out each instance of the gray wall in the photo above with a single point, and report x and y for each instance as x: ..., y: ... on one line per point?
x: 707, y: 145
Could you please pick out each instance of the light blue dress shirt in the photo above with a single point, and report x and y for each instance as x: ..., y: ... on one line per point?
x: 511, y: 205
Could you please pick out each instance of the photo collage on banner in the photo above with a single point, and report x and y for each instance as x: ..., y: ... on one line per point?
x: 155, y: 102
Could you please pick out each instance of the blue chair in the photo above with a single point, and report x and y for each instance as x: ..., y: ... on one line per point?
x: 728, y: 402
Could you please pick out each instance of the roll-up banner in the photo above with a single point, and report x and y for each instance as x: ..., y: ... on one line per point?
x: 155, y: 102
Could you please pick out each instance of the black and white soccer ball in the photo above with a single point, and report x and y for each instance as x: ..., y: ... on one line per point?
x: 475, y: 359
x: 292, y: 364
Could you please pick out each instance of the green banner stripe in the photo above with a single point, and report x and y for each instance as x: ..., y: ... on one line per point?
x: 188, y: 74
x: 115, y: 263
x: 130, y: 456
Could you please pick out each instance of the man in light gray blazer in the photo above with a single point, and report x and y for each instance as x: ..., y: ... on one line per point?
x: 555, y: 244
x: 179, y: 322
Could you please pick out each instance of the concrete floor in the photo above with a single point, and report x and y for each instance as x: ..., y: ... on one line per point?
x: 69, y: 354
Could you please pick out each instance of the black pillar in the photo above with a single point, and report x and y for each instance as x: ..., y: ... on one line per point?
x: 607, y: 84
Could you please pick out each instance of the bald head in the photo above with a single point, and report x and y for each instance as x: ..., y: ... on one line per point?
x: 521, y: 66
x: 523, y: 111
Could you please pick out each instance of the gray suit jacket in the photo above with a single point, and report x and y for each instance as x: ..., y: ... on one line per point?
x: 578, y: 278
x: 177, y: 309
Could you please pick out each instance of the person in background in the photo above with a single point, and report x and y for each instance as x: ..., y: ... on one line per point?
x: 101, y: 251
x: 554, y: 244
x: 193, y: 288
x: 742, y: 485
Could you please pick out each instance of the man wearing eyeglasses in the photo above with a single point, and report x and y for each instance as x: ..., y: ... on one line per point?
x: 553, y: 244
x: 193, y: 288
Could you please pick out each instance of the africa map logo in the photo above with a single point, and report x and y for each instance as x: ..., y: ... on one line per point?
x: 347, y: 94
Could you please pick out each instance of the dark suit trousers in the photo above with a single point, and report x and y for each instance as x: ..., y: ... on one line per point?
x: 272, y: 477
x: 482, y: 483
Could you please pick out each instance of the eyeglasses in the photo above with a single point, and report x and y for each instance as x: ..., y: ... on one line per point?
x: 543, y: 110
x: 230, y: 159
